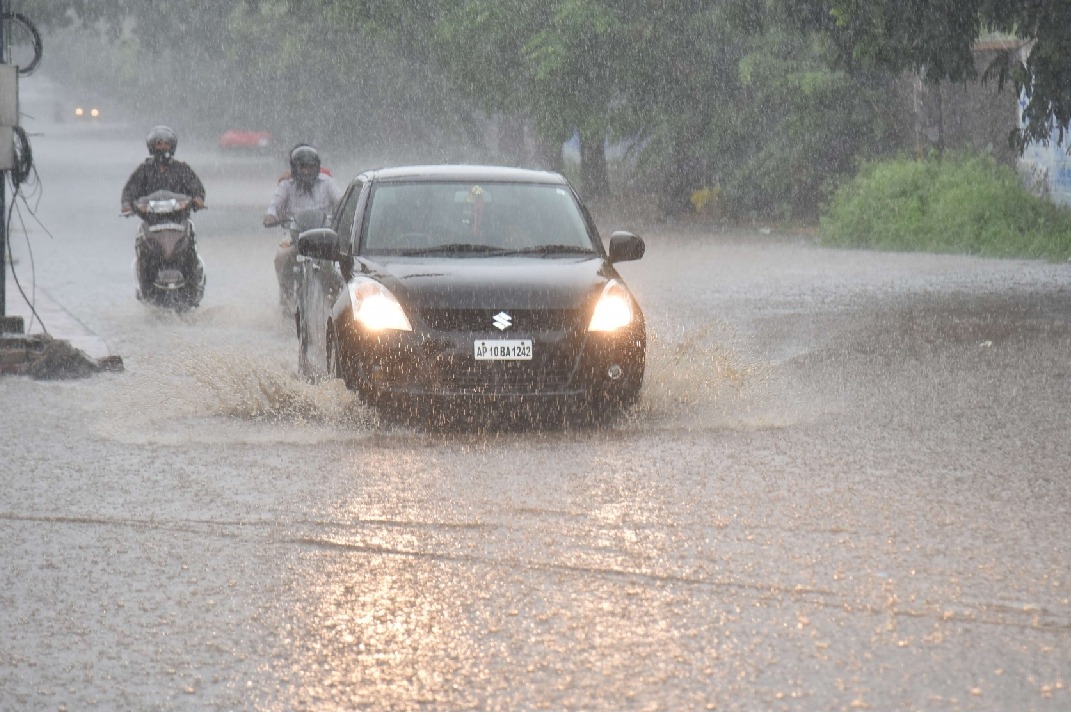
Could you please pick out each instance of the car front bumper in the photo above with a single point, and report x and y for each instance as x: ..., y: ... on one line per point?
x: 567, y: 367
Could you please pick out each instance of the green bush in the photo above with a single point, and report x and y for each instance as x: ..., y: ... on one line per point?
x: 950, y: 204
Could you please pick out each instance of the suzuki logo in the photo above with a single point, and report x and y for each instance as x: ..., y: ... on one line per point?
x: 502, y: 320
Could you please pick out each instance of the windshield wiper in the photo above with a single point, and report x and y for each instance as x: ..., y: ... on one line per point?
x: 453, y: 248
x: 551, y: 249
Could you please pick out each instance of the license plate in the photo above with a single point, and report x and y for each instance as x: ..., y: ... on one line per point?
x: 502, y: 349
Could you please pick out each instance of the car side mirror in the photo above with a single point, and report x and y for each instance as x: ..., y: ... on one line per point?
x: 319, y: 243
x: 626, y: 246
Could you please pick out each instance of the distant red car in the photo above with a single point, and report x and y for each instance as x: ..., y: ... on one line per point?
x: 240, y: 140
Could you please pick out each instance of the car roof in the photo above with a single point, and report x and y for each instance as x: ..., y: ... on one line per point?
x: 462, y: 172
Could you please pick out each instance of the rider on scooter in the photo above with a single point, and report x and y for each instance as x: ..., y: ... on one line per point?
x: 161, y: 171
x: 307, y: 187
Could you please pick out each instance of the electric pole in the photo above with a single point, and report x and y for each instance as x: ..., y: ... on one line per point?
x: 3, y: 196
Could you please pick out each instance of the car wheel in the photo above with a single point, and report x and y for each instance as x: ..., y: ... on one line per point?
x: 338, y: 365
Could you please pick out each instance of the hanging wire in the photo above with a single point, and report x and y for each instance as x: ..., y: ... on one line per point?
x: 27, y: 172
x: 23, y: 167
x: 23, y: 158
x: 35, y: 39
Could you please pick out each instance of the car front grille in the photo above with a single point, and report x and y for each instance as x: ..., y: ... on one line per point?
x: 438, y: 356
x: 523, y: 321
x: 549, y: 370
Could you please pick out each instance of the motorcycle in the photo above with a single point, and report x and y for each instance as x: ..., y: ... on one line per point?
x: 290, y: 271
x: 166, y: 267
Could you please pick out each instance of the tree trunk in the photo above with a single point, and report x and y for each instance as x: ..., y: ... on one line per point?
x: 550, y: 154
x: 685, y: 174
x: 593, y: 177
x: 512, y: 147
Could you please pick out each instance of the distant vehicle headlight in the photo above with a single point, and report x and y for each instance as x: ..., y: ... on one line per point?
x: 613, y: 310
x: 376, y: 308
x: 94, y: 112
x: 78, y: 111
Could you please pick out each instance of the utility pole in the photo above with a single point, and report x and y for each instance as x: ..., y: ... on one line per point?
x: 3, y: 201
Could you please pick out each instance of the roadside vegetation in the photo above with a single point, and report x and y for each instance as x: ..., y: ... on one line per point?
x: 953, y: 203
x: 731, y: 110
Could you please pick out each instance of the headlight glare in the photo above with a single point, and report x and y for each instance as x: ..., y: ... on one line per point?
x: 613, y: 310
x: 376, y: 308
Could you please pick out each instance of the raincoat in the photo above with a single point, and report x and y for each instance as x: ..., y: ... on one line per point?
x: 174, y: 175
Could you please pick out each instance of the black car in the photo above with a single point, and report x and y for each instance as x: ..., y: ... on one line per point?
x: 483, y: 291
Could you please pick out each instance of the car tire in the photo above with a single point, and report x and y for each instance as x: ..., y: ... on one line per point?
x: 339, y: 365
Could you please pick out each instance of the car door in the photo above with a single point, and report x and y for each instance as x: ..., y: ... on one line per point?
x: 321, y: 283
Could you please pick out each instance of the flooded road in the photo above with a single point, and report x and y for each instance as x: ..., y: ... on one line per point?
x: 845, y: 487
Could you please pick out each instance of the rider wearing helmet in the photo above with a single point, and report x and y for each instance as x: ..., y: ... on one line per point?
x: 305, y: 167
x: 162, y: 172
x: 307, y: 186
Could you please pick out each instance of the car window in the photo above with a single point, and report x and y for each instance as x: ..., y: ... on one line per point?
x: 419, y: 216
x: 347, y: 211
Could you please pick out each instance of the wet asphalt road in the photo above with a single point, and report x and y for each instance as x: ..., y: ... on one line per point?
x: 845, y: 487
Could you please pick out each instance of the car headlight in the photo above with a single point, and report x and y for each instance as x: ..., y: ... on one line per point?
x: 376, y: 308
x: 613, y: 310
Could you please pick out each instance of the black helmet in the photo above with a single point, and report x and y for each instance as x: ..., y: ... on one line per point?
x: 161, y: 133
x: 305, y: 157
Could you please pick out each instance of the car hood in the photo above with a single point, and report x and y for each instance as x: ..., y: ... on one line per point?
x: 499, y: 282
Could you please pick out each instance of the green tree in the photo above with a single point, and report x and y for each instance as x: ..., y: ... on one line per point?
x: 550, y: 63
x: 807, y: 126
x: 707, y: 93
x: 682, y: 93
x: 485, y: 46
x: 935, y: 39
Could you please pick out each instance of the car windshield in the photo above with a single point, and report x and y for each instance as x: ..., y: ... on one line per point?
x: 474, y: 219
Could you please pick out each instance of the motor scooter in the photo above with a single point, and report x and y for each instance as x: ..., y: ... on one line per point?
x: 168, y: 271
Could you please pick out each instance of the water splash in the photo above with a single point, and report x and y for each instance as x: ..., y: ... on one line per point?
x: 704, y: 379
x: 214, y: 396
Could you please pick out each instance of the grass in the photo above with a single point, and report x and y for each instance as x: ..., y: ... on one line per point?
x: 951, y: 204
